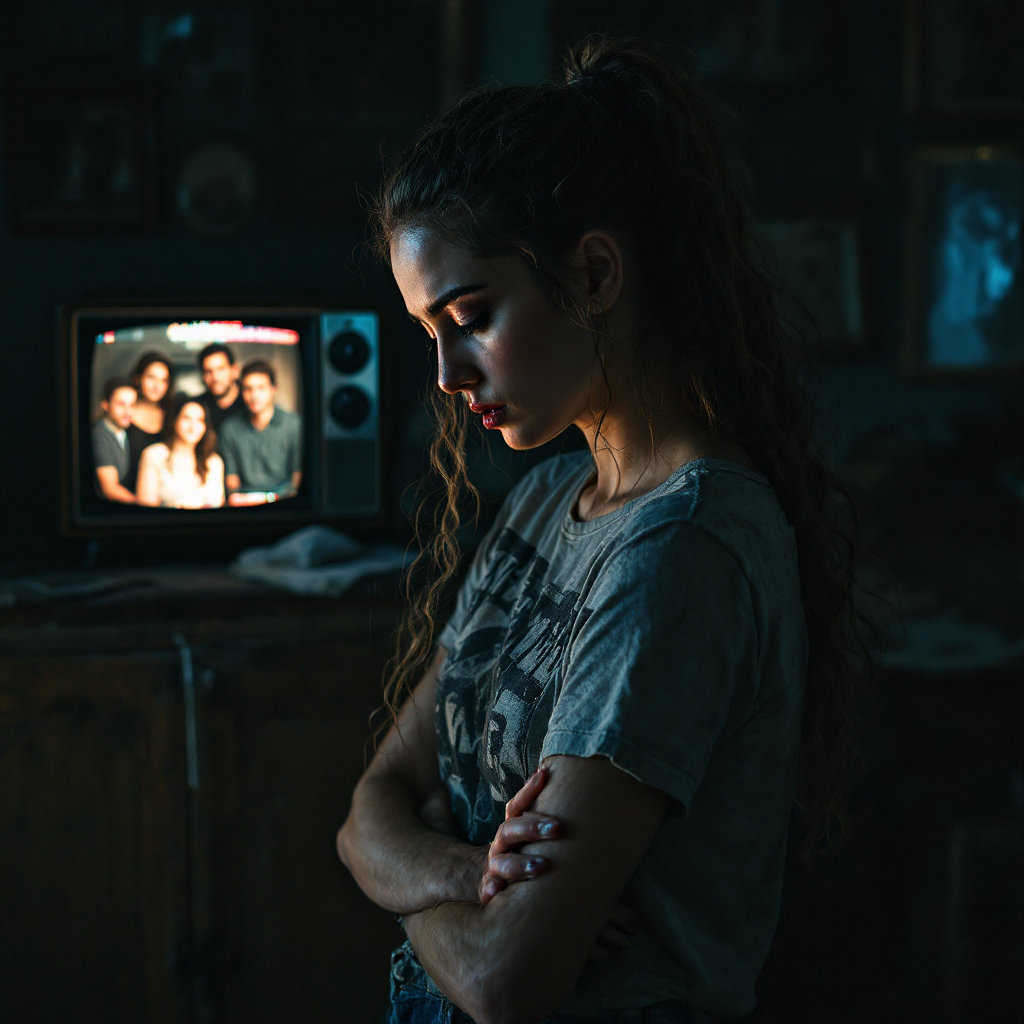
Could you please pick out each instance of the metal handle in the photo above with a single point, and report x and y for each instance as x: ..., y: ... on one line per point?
x: 188, y: 689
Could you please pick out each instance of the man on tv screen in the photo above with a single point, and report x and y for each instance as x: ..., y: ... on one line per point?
x: 262, y: 448
x: 110, y: 440
x: 220, y: 375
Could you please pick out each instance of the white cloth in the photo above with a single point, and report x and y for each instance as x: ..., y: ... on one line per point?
x: 176, y: 489
x: 319, y: 561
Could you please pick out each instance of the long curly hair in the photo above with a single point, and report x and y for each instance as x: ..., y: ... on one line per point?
x: 631, y: 144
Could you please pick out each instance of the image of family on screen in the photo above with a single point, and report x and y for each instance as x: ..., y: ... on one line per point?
x: 230, y: 445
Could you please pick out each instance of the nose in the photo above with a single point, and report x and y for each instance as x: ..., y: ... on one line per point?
x: 455, y: 372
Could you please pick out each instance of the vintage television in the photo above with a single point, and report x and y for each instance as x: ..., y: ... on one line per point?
x: 279, y: 423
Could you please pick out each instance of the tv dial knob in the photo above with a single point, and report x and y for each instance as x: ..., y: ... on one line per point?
x: 350, y: 406
x: 349, y: 352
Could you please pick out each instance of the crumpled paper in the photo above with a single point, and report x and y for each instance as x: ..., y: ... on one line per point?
x: 318, y: 560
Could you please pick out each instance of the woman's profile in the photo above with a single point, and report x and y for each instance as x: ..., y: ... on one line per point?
x: 182, y: 470
x: 152, y: 379
x: 580, y: 809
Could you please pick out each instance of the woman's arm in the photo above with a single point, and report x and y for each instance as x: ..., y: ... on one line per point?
x: 397, y: 860
x: 398, y: 840
x: 518, y: 958
x: 147, y: 483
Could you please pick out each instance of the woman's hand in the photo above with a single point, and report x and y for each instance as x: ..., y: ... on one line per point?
x: 521, y: 825
x: 504, y: 865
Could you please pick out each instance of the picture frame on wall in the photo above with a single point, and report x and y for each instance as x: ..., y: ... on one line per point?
x: 80, y: 156
x: 964, y: 58
x: 964, y: 297
x: 817, y: 258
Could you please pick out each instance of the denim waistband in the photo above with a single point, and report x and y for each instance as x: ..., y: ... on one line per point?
x: 413, y: 993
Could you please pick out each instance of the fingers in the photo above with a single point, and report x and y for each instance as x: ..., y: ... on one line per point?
x: 523, y: 800
x: 525, y: 828
x: 514, y: 867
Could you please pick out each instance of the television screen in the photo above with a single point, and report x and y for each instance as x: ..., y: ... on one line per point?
x: 190, y: 416
x: 201, y: 414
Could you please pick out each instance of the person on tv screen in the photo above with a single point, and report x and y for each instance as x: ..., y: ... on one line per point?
x: 220, y: 375
x: 152, y: 377
x: 262, y: 449
x: 111, y: 455
x: 183, y: 470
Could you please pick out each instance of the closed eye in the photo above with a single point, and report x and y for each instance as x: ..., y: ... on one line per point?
x: 475, y: 326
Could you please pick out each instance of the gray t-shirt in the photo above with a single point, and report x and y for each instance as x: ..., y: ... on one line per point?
x: 264, y: 459
x: 670, y: 637
x: 111, y: 449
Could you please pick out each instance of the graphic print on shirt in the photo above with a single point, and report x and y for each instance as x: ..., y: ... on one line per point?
x: 498, y: 687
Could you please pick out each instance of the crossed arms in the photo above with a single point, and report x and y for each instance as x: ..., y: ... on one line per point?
x: 504, y: 952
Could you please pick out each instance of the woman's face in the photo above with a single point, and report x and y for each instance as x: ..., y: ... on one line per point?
x: 153, y: 383
x: 191, y: 424
x: 520, y: 362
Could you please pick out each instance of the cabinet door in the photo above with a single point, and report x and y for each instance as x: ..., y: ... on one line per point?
x: 92, y: 840
x: 282, y: 931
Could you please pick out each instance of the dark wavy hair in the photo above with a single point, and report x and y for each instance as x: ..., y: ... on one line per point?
x: 146, y: 360
x: 207, y: 443
x: 631, y: 144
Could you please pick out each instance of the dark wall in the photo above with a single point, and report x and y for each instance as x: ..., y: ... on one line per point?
x: 316, y: 93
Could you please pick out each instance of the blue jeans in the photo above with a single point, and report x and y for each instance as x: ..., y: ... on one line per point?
x: 415, y: 999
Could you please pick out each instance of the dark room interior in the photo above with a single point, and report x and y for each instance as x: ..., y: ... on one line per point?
x: 181, y: 730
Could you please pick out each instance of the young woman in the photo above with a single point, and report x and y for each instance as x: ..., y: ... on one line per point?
x: 581, y: 809
x: 183, y: 470
x: 152, y: 379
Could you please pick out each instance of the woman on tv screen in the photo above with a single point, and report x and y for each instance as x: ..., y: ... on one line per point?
x: 183, y: 470
x: 152, y: 379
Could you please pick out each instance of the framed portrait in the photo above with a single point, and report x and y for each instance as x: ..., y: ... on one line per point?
x: 817, y: 259
x: 80, y: 157
x: 964, y: 301
x: 964, y: 57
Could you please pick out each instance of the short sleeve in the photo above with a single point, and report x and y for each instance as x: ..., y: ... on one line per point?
x: 105, y: 449
x: 668, y: 648
x: 295, y: 448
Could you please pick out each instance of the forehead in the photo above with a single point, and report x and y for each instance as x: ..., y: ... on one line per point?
x: 123, y: 394
x: 215, y: 359
x: 193, y: 409
x: 255, y: 379
x: 156, y: 367
x: 426, y: 266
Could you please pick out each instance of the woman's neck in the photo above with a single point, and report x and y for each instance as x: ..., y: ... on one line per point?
x: 634, y: 453
x: 181, y: 450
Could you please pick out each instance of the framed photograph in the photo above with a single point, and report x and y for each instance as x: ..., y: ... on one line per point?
x: 964, y: 57
x: 818, y: 262
x: 80, y: 157
x: 964, y: 302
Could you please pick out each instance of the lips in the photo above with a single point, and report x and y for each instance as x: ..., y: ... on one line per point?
x: 493, y: 415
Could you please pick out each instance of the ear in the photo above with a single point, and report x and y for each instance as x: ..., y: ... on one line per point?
x: 601, y: 259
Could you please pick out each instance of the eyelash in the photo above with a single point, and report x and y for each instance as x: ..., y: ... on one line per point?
x: 475, y: 326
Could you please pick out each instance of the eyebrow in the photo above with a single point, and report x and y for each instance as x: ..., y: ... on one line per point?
x: 450, y: 296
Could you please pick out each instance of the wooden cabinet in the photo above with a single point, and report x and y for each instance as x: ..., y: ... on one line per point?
x: 129, y: 895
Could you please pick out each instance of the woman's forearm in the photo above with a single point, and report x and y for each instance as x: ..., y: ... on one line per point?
x: 399, y: 862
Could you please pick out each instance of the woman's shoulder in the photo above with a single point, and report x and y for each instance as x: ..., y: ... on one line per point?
x: 552, y: 476
x: 154, y: 453
x: 734, y: 507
